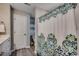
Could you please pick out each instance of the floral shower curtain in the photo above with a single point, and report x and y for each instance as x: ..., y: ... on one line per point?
x: 61, y: 25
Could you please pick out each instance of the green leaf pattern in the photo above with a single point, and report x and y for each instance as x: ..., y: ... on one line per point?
x: 50, y: 47
x: 60, y: 9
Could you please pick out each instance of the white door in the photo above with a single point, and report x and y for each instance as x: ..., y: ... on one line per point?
x: 20, y: 31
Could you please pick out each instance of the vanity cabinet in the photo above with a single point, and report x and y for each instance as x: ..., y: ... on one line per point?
x: 5, y: 47
x: 0, y: 49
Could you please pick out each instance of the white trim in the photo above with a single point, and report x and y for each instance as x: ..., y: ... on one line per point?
x: 27, y: 47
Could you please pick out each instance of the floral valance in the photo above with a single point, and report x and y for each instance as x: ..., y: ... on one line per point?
x: 60, y: 9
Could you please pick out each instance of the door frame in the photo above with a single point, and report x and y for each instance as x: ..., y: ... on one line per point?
x: 11, y: 27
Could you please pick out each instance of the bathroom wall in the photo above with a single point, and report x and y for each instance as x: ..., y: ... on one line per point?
x: 5, y: 16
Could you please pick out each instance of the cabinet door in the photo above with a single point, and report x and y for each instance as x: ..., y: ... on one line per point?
x: 6, y: 47
x: 0, y: 49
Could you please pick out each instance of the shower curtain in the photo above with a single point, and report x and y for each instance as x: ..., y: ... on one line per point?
x: 61, y: 25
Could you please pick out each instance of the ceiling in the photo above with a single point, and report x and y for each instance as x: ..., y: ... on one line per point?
x: 29, y: 8
x: 46, y: 6
x: 23, y: 7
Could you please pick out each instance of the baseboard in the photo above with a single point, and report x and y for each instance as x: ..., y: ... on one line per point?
x: 27, y: 47
x: 21, y: 48
x: 35, y: 52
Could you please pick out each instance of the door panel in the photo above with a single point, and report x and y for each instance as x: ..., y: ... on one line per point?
x: 20, y: 31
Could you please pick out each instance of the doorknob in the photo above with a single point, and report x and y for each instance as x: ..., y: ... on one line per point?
x: 24, y: 33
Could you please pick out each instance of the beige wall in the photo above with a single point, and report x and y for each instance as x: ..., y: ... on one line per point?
x: 5, y: 16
